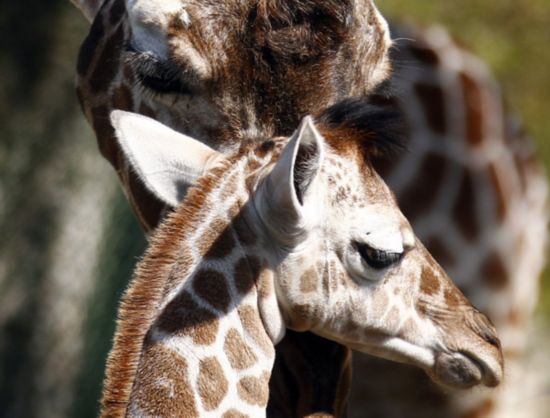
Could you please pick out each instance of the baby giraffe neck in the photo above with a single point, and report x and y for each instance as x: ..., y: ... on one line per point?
x: 191, y: 339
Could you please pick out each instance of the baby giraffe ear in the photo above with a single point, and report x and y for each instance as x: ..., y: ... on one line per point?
x: 285, y: 200
x: 89, y: 8
x: 166, y: 161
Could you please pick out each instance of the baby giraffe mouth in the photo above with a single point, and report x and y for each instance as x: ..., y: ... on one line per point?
x: 462, y: 371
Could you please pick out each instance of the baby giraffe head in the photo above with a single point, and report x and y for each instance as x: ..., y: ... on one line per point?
x: 344, y: 262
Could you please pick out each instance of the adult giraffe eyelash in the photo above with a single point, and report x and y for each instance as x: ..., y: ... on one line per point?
x: 154, y: 75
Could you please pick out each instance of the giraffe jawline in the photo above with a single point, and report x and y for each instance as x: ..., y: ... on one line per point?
x: 457, y: 370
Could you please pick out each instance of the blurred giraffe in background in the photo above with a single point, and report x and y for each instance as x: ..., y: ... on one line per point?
x: 470, y: 183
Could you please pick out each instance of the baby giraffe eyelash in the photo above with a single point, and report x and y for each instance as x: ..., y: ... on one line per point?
x: 377, y: 259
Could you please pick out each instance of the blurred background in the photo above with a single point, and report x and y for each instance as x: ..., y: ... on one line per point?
x: 68, y: 240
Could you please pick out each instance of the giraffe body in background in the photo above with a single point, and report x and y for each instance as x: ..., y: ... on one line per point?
x: 258, y: 246
x: 454, y: 176
x: 477, y: 196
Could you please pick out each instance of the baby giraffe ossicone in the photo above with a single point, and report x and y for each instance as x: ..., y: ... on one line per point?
x: 298, y: 233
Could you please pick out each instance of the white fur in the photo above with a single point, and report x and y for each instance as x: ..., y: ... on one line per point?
x: 165, y: 160
x: 277, y: 201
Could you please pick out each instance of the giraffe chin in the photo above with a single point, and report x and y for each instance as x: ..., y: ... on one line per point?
x: 460, y: 371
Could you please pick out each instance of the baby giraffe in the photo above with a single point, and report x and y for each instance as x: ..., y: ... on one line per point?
x: 298, y: 233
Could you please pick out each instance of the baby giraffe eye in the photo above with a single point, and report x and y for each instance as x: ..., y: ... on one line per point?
x: 377, y: 259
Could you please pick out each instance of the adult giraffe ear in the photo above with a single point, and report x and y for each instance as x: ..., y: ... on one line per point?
x: 167, y: 161
x: 286, y: 200
x: 89, y: 8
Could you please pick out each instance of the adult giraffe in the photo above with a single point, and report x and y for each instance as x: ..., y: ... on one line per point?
x: 232, y: 72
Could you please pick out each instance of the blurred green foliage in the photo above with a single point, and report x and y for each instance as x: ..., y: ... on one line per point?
x: 513, y: 38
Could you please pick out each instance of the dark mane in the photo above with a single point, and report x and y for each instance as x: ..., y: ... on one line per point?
x: 299, y: 30
x: 377, y: 129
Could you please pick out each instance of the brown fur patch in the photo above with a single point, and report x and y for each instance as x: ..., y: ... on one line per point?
x: 211, y: 286
x: 211, y: 383
x: 161, y: 387
x: 250, y: 318
x: 429, y: 282
x: 122, y: 98
x: 474, y: 111
x: 499, y: 193
x: 464, y: 212
x: 246, y: 273
x: 233, y: 413
x: 309, y: 280
x: 300, y: 317
x: 107, y: 63
x: 453, y: 298
x: 89, y: 47
x: 254, y: 390
x: 183, y: 316
x: 439, y: 251
x: 266, y: 284
x: 432, y: 99
x: 217, y: 241
x: 494, y: 272
x: 238, y: 352
x: 424, y: 55
x: 244, y: 232
x: 421, y: 195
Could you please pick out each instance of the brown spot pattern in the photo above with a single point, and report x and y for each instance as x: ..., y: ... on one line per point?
x: 211, y: 286
x: 161, y: 387
x: 499, y: 193
x: 308, y: 280
x: 432, y: 99
x: 452, y: 297
x: 254, y: 390
x: 439, y: 251
x: 107, y: 63
x: 474, y: 114
x: 183, y: 316
x: 211, y: 383
x: 424, y: 55
x: 233, y: 413
x: 122, y: 98
x: 417, y: 199
x: 246, y: 273
x: 494, y: 273
x: 429, y: 282
x: 464, y: 211
x: 251, y: 321
x: 217, y: 241
x: 244, y: 232
x: 300, y: 317
x: 238, y: 352
x: 89, y: 47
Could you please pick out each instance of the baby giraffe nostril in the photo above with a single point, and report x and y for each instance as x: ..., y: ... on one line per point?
x: 490, y: 336
x: 483, y: 327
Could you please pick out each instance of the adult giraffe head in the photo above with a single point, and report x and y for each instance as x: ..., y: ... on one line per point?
x: 225, y: 72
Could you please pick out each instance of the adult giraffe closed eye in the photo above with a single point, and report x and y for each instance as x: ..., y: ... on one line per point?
x: 157, y: 58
